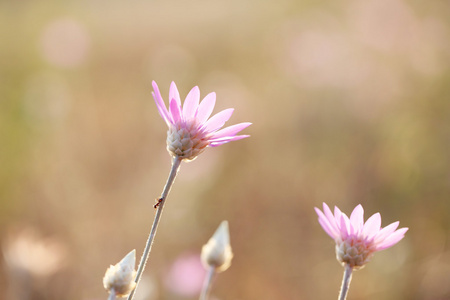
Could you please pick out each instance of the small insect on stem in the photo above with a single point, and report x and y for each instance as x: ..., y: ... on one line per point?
x: 158, y: 202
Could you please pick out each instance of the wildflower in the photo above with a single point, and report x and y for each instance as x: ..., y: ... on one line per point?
x: 190, y: 128
x: 356, y: 240
x: 119, y: 279
x: 217, y: 252
x: 185, y: 276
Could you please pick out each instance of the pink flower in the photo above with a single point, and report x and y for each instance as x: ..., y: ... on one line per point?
x: 190, y: 130
x: 185, y: 276
x: 356, y: 241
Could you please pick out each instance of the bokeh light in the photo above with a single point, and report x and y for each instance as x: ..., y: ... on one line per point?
x: 65, y: 43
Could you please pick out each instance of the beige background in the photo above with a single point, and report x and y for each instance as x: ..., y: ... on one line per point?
x: 349, y: 103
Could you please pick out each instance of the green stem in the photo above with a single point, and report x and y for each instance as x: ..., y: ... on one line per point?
x: 173, y: 173
x: 345, y: 282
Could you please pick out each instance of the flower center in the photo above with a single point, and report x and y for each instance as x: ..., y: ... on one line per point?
x: 354, y: 251
x: 186, y: 140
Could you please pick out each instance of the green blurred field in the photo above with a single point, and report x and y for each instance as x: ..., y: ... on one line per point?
x: 349, y: 102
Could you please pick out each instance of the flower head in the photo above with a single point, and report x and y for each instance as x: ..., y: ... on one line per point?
x: 356, y: 240
x: 217, y: 252
x: 120, y: 277
x: 190, y: 128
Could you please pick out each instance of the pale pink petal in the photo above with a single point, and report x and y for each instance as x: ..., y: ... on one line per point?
x: 162, y: 110
x: 160, y: 104
x: 230, y: 130
x: 326, y: 227
x: 206, y: 107
x: 372, y: 226
x: 221, y: 141
x: 324, y: 222
x: 175, y: 111
x: 386, y: 231
x: 348, y: 225
x: 218, y: 120
x: 357, y: 218
x: 330, y: 216
x: 392, y: 239
x: 337, y: 217
x: 345, y: 230
x: 191, y: 103
x: 174, y: 94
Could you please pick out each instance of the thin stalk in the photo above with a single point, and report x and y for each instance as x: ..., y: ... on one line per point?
x: 207, y: 283
x: 160, y: 205
x: 345, y: 282
x: 112, y: 295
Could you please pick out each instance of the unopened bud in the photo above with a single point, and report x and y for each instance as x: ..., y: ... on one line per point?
x: 120, y: 277
x: 217, y: 252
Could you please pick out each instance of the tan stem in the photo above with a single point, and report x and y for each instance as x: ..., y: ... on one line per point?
x: 148, y: 246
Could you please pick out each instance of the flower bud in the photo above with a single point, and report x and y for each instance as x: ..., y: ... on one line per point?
x: 120, y: 277
x: 217, y: 252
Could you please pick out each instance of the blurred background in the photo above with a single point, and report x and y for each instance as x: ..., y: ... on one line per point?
x: 349, y: 102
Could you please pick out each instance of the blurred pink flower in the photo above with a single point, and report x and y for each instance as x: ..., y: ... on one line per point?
x: 185, y: 276
x: 190, y: 130
x: 356, y: 241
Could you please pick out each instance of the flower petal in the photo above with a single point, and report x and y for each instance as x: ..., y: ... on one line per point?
x: 357, y: 218
x: 345, y: 230
x: 175, y: 111
x: 392, y: 239
x: 206, y: 107
x: 191, y: 103
x: 325, y: 223
x: 330, y: 217
x: 174, y: 94
x: 230, y: 131
x: 372, y: 226
x: 337, y: 217
x: 385, y: 232
x: 160, y: 104
x: 218, y: 120
x: 221, y: 141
